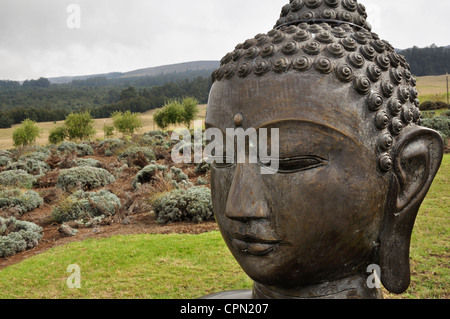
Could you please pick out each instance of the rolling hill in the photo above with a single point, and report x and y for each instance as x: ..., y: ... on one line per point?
x: 152, y: 71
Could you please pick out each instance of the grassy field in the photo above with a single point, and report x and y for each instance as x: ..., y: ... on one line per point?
x: 190, y: 266
x: 432, y: 88
x: 124, y: 267
x: 147, y: 119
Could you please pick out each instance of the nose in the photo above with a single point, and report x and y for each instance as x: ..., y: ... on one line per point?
x: 246, y: 198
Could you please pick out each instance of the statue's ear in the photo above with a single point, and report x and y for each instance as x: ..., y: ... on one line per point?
x: 417, y: 158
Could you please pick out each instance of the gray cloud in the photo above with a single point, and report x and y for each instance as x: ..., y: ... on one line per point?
x: 122, y: 35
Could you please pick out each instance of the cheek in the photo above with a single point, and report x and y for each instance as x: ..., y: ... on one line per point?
x: 221, y: 181
x: 328, y: 203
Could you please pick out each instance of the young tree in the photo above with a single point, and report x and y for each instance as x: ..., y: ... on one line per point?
x: 158, y: 118
x: 79, y: 126
x: 170, y: 114
x: 190, y: 110
x: 57, y: 135
x: 126, y: 123
x: 108, y: 130
x: 26, y: 134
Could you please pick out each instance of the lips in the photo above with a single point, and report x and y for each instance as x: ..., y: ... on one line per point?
x: 252, y: 245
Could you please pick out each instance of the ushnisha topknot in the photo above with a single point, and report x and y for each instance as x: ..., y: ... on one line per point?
x: 343, y: 47
x: 348, y: 11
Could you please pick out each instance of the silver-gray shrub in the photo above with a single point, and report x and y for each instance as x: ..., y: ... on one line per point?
x: 84, y: 178
x: 177, y: 174
x: 148, y: 153
x: 111, y: 145
x: 30, y: 165
x: 87, y: 162
x: 147, y: 174
x: 40, y: 154
x: 17, y: 178
x: 5, y: 153
x: 156, y: 138
x: 85, y: 205
x: 81, y: 149
x: 193, y: 204
x: 4, y: 161
x: 17, y: 236
x: 21, y: 201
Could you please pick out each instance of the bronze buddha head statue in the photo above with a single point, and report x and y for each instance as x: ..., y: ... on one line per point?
x: 354, y: 162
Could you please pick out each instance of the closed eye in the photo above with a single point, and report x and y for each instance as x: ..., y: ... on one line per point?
x: 290, y: 165
x: 222, y: 161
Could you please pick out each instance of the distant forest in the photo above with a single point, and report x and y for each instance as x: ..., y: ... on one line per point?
x: 41, y: 101
x: 432, y: 60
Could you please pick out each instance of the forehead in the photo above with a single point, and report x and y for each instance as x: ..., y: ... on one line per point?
x: 268, y: 100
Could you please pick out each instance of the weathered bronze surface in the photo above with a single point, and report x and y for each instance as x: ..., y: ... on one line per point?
x: 355, y: 164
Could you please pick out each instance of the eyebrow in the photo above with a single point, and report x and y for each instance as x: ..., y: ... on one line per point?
x: 273, y: 124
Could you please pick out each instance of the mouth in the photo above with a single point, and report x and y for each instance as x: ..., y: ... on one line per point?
x: 252, y: 245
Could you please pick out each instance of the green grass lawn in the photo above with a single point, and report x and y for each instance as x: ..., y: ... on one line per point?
x: 191, y: 266
x: 141, y: 266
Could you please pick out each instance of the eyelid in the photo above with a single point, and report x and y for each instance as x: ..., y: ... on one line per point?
x: 297, y: 163
x: 227, y: 161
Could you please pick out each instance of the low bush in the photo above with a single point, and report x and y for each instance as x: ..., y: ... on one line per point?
x: 177, y: 175
x: 193, y: 204
x: 17, y: 236
x: 5, y: 153
x: 431, y: 105
x: 19, y: 201
x: 132, y: 151
x: 40, y: 154
x: 84, y: 149
x: 111, y: 146
x: 156, y: 138
x: 85, y: 206
x: 4, y: 161
x: 147, y: 174
x: 87, y: 162
x: 17, y: 178
x: 84, y: 178
x: 31, y: 166
x: 202, y: 168
x: 81, y: 149
x: 440, y: 124
x: 202, y: 181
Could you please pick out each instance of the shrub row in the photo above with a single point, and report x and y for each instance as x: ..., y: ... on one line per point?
x: 84, y: 178
x: 19, y: 200
x: 81, y: 149
x: 30, y: 165
x: 193, y: 204
x: 431, y: 106
x: 84, y: 205
x: 440, y: 124
x: 147, y: 174
x: 17, y: 236
x: 17, y: 178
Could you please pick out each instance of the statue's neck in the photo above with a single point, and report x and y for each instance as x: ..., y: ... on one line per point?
x: 348, y: 288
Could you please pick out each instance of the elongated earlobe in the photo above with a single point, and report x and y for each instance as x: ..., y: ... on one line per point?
x: 418, y: 156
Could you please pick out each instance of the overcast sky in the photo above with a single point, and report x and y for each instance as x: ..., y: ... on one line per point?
x: 42, y: 38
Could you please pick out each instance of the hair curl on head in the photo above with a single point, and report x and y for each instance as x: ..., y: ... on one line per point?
x: 351, y: 53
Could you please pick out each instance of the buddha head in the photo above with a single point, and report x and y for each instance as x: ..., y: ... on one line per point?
x: 354, y: 162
